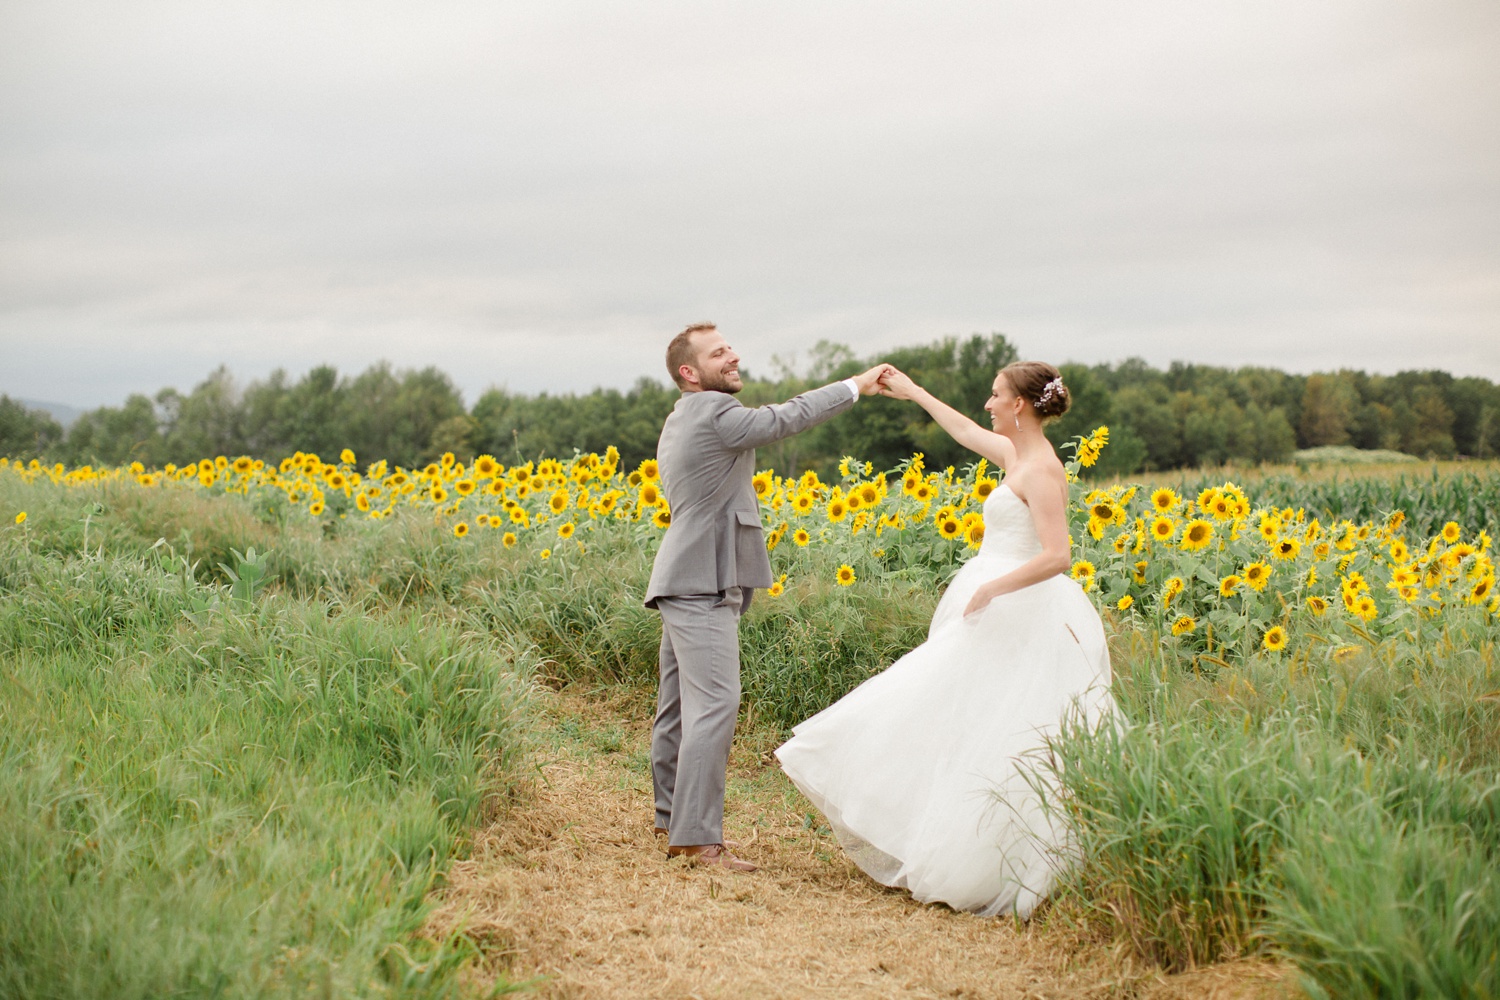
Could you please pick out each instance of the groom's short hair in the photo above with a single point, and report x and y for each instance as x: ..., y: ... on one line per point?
x: 680, y: 351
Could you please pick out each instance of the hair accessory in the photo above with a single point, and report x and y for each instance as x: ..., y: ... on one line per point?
x: 1055, y: 388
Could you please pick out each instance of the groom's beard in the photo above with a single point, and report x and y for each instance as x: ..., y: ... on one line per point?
x: 720, y: 382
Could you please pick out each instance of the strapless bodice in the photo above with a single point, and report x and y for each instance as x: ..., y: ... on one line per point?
x: 1008, y: 531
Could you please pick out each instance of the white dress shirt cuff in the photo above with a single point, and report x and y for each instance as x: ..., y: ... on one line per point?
x: 853, y: 387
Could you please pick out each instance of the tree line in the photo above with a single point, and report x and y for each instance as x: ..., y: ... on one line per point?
x: 1183, y: 416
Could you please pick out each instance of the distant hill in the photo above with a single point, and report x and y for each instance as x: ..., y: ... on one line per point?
x: 61, y: 412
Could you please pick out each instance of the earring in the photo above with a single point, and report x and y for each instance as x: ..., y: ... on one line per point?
x: 1018, y: 421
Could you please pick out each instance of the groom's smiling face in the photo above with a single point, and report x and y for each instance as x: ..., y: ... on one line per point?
x: 718, y: 367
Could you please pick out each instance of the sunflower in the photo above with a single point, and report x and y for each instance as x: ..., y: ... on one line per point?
x: 845, y: 575
x: 1164, y: 500
x: 1365, y: 608
x: 1257, y: 575
x: 983, y: 487
x: 1197, y: 534
x: 1207, y: 497
x: 1102, y: 511
x: 21, y: 517
x: 1223, y: 508
x: 649, y: 469
x: 1083, y: 572
x: 923, y: 492
x: 508, y: 539
x: 801, y: 537
x: 565, y: 530
x: 837, y: 510
x: 1317, y: 605
x: 1121, y: 541
x: 362, y: 501
x: 315, y: 508
x: 1125, y: 602
x: 662, y: 518
x: 1274, y: 639
x: 974, y: 533
x: 437, y: 494
x: 1184, y: 624
x: 761, y: 482
x: 853, y: 500
x: 949, y: 527
x: 1270, y: 527
x: 519, y: 516
x: 1480, y: 590
x: 1229, y: 585
x: 775, y: 590
x: 1163, y: 528
x: 460, y: 529
x: 1139, y: 576
x: 545, y: 554
x: 1171, y: 589
x: 243, y: 464
x: 1287, y: 548
x: 558, y: 501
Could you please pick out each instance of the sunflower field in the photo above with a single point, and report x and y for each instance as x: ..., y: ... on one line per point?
x: 1218, y: 572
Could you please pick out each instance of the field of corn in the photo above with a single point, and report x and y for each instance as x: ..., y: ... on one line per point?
x: 253, y: 709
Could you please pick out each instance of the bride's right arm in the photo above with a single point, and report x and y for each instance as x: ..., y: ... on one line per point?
x: 987, y: 444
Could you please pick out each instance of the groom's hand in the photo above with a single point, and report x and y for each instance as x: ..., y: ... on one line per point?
x: 869, y: 382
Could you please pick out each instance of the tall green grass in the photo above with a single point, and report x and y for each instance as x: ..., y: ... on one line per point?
x: 241, y: 802
x: 1342, y: 812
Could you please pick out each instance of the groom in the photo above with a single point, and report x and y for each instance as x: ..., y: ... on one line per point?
x: 710, y: 562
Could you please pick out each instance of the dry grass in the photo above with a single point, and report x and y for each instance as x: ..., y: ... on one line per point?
x: 571, y: 888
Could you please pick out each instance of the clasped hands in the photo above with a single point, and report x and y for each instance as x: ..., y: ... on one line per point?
x: 887, y: 380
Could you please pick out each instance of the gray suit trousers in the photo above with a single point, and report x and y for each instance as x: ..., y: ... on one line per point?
x: 697, y: 704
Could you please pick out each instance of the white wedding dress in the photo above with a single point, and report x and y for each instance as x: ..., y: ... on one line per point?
x: 928, y: 772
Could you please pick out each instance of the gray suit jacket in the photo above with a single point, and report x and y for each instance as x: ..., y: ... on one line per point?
x: 707, y: 459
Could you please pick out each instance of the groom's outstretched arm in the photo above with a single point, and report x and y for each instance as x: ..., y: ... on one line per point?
x: 746, y: 427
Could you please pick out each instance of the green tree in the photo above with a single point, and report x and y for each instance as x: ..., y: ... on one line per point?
x: 27, y: 433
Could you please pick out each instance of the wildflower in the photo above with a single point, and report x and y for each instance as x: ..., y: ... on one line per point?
x: 1184, y: 624
x: 1274, y: 639
x: 1173, y: 587
x: 346, y: 456
x: 1125, y: 602
x: 508, y: 539
x: 1257, y: 574
x: 1197, y: 534
x: 315, y: 508
x: 1317, y: 605
x: 460, y: 529
x: 1287, y: 548
x: 437, y: 494
x: 775, y: 590
x: 545, y: 554
x: 565, y: 530
x: 1229, y: 585
x: 845, y: 574
x: 1139, y: 576
x: 21, y: 517
x: 1481, y: 589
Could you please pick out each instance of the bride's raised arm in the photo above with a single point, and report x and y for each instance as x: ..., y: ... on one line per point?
x: 985, y: 443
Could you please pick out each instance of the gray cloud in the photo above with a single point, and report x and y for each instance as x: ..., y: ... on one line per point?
x: 538, y: 195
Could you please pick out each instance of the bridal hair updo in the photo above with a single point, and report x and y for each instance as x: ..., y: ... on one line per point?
x: 680, y: 351
x: 1041, y: 385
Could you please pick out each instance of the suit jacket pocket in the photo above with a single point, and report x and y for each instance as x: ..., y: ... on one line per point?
x: 749, y: 518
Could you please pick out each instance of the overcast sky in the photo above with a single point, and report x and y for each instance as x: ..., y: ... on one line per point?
x: 537, y: 195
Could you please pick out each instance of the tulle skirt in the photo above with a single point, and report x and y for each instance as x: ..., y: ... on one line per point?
x: 932, y: 773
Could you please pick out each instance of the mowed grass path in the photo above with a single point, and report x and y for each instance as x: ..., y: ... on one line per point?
x: 572, y: 890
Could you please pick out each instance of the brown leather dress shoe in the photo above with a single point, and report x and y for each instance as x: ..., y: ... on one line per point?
x: 661, y: 831
x: 711, y: 854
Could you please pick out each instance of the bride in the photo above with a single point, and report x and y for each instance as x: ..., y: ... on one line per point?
x: 926, y: 771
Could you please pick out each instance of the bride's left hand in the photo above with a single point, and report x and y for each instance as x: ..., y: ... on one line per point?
x: 981, y: 600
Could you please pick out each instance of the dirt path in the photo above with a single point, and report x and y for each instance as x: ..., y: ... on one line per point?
x: 572, y: 887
